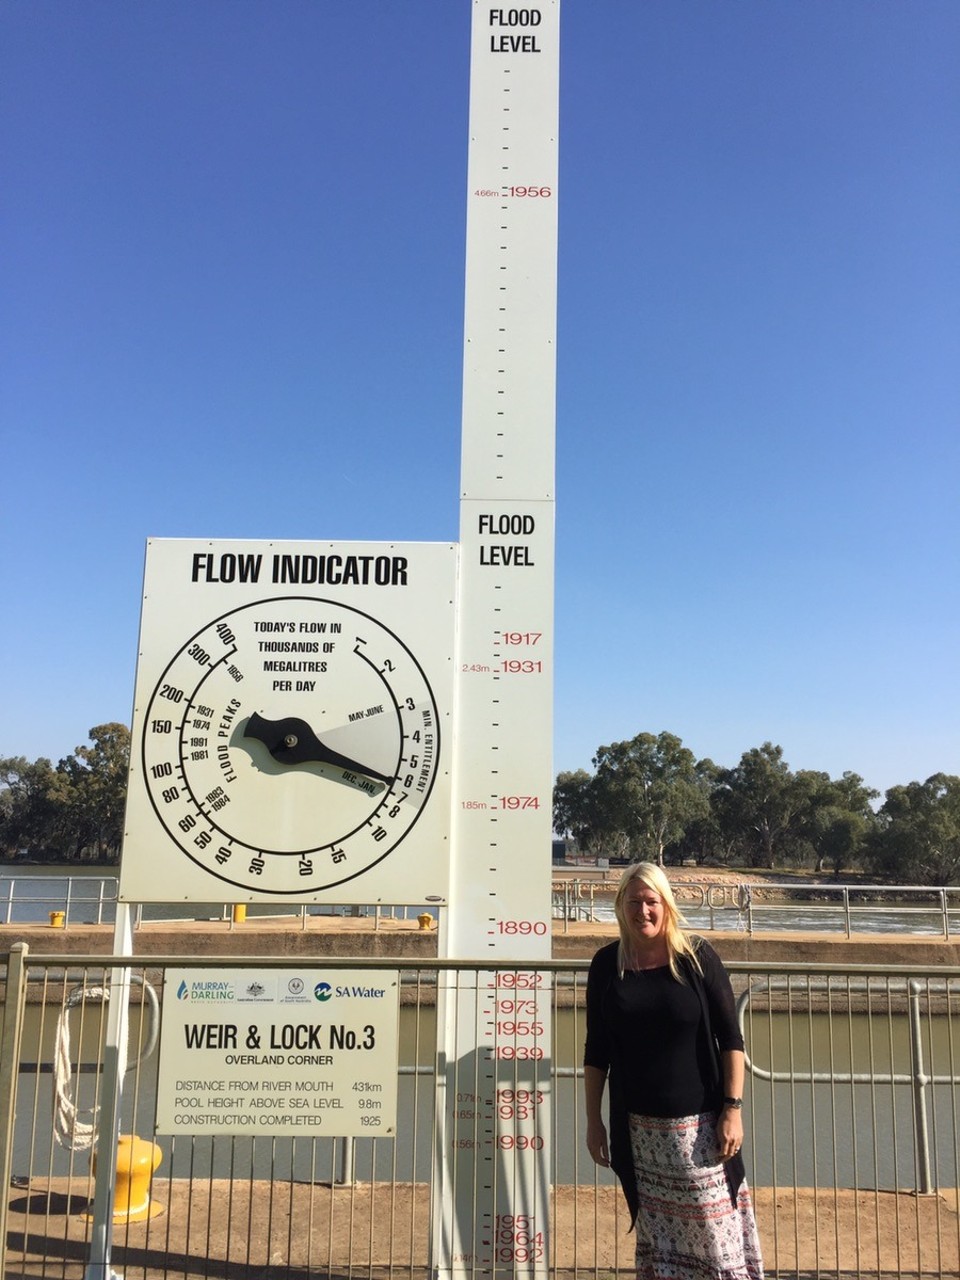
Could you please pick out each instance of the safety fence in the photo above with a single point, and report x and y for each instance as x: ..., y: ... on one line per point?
x: 65, y: 900
x: 790, y: 906
x: 852, y: 1111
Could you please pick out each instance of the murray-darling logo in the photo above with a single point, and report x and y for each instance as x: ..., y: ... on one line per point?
x: 206, y: 990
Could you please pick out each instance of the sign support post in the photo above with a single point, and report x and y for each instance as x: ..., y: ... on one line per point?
x: 108, y: 1120
x: 494, y: 1051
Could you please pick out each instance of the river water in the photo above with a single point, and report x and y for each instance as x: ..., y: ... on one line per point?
x: 826, y: 1132
x: 801, y: 1133
x: 814, y: 1132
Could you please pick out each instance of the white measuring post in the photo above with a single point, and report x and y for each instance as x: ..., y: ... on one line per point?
x: 492, y: 1206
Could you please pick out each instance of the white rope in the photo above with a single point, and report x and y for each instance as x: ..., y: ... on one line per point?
x: 70, y: 1130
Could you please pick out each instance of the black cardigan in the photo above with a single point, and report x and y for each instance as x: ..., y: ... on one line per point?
x: 715, y: 994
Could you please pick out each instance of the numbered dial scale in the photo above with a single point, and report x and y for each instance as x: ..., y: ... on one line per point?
x: 290, y: 745
x: 273, y: 780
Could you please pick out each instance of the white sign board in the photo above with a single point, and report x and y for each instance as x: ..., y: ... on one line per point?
x: 291, y: 728
x: 279, y: 1051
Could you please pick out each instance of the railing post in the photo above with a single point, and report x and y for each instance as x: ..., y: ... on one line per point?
x: 920, y: 1082
x: 846, y: 910
x: 347, y: 1151
x: 14, y: 1001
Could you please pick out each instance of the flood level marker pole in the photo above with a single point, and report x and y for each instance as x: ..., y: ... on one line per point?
x: 494, y: 1106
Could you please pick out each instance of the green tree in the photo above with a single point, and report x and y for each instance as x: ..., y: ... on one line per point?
x: 702, y: 838
x: 578, y: 811
x: 917, y: 840
x: 29, y: 810
x: 759, y: 804
x: 650, y: 788
x: 92, y: 788
x: 839, y: 819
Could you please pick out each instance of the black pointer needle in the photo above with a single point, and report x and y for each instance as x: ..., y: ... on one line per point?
x: 292, y: 741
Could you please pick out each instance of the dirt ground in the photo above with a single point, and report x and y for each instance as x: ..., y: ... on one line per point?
x: 289, y: 1231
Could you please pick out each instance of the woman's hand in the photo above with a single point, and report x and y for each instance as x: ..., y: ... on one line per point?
x: 597, y: 1143
x: 594, y: 1080
x: 730, y: 1120
x: 729, y: 1132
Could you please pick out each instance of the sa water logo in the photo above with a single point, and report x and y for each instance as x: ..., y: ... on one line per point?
x: 323, y: 991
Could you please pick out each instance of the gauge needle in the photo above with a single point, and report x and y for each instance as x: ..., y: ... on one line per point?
x: 292, y: 741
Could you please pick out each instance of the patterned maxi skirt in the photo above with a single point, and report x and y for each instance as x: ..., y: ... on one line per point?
x: 688, y: 1227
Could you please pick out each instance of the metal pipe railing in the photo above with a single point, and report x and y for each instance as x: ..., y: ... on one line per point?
x: 740, y: 906
x: 917, y: 1078
x: 804, y: 1102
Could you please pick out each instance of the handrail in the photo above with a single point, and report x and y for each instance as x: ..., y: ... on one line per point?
x: 756, y: 904
x: 740, y: 905
x: 917, y: 1078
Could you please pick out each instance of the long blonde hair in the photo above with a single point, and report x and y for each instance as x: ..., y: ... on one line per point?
x: 678, y: 941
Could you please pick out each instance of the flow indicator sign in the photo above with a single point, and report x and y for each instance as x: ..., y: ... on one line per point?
x: 291, y: 724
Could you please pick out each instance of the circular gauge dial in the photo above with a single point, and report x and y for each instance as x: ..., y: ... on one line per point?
x: 290, y: 744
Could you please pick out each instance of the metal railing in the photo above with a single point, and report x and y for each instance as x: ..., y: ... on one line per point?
x: 782, y: 907
x: 82, y: 899
x: 852, y: 1115
x: 748, y: 908
x: 30, y: 898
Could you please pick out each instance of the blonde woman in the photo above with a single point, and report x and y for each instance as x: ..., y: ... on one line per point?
x: 662, y: 1032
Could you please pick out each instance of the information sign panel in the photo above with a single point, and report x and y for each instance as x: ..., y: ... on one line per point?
x: 279, y: 1051
x: 292, y: 723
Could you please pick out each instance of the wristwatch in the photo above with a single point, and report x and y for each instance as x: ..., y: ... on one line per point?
x: 736, y: 1103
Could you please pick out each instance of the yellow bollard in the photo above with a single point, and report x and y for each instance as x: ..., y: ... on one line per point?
x: 239, y: 912
x: 58, y: 919
x: 425, y: 920
x: 136, y: 1161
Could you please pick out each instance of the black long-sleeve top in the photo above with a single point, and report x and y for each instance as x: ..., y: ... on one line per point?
x: 659, y: 1041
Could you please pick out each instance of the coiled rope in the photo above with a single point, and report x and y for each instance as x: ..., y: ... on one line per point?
x: 70, y: 1129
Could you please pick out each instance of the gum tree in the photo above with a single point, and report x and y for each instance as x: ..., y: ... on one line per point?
x: 651, y: 789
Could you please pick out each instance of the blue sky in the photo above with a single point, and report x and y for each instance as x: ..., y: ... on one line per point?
x: 233, y: 239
